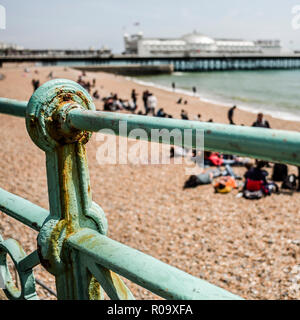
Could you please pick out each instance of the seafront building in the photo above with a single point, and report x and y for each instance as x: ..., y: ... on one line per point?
x: 195, y: 44
x: 10, y: 46
x: 7, y: 49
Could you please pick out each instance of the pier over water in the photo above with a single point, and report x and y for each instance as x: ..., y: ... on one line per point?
x: 207, y: 62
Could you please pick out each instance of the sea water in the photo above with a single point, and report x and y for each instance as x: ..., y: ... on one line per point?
x: 274, y: 92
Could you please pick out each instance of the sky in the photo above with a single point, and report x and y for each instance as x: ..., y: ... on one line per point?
x: 39, y: 24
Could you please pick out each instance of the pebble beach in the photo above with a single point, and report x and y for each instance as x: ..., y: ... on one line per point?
x: 250, y: 248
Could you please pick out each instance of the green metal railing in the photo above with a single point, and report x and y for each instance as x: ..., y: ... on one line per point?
x: 72, y: 242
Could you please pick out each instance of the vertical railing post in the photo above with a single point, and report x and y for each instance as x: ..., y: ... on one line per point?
x: 70, y: 200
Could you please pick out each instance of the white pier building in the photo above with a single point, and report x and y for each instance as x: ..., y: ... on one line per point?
x: 195, y: 44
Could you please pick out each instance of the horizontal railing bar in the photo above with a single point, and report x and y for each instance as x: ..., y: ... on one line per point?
x: 13, y: 107
x: 265, y: 144
x: 22, y: 210
x: 158, y: 277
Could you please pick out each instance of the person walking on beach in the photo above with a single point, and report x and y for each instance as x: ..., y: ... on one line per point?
x: 145, y: 98
x: 151, y: 103
x: 194, y: 90
x: 173, y: 86
x: 261, y: 122
x: 230, y: 114
x: 133, y: 96
x: 35, y: 84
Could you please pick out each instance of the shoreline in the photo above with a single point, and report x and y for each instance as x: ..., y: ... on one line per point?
x: 122, y: 85
x: 252, y: 109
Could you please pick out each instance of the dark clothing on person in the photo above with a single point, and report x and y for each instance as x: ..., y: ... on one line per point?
x: 133, y: 96
x: 184, y: 115
x: 161, y: 113
x: 96, y: 95
x: 129, y: 106
x: 298, y: 178
x: 256, y: 174
x: 230, y: 115
x: 263, y: 124
x: 145, y: 98
x: 35, y: 84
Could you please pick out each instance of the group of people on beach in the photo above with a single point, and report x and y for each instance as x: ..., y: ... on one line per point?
x: 260, y: 121
x: 88, y: 85
x: 256, y: 184
x: 114, y: 103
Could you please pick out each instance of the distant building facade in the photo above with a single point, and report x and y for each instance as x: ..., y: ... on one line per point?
x: 12, y: 49
x: 10, y: 46
x: 194, y: 44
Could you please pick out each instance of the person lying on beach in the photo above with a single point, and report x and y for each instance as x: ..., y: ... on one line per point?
x: 129, y: 106
x: 112, y: 103
x: 216, y: 159
x: 201, y: 179
x: 178, y: 152
x: 225, y: 184
x: 208, y: 176
x: 212, y: 159
x: 261, y: 122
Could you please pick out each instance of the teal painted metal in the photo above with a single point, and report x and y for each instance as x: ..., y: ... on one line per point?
x: 23, y: 264
x: 72, y: 241
x: 271, y: 145
x: 99, y: 251
x: 13, y: 107
x: 22, y: 210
